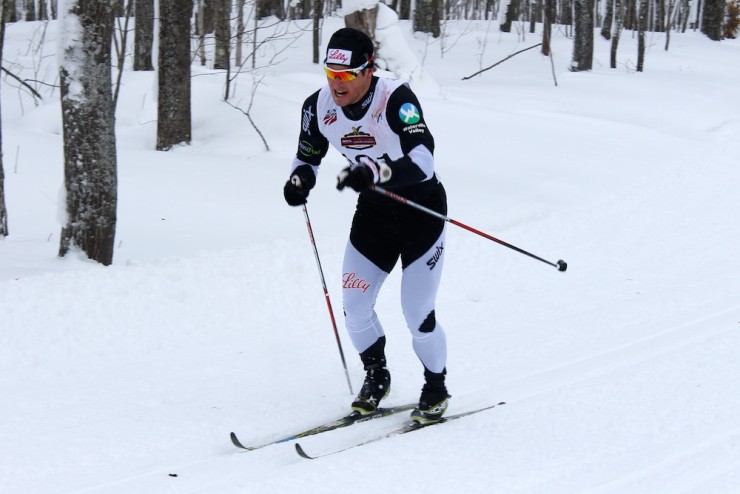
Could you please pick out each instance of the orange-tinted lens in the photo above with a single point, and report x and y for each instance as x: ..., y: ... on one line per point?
x: 342, y: 75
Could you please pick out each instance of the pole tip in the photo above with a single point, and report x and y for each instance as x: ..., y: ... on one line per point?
x: 562, y: 265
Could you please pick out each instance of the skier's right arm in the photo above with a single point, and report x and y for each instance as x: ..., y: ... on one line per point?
x: 312, y: 147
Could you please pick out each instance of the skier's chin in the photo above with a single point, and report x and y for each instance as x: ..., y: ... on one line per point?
x: 341, y: 98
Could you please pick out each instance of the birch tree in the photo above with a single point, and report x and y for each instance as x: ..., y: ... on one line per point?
x: 86, y: 29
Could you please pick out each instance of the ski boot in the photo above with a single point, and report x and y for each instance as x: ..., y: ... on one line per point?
x: 434, y: 399
x: 376, y: 386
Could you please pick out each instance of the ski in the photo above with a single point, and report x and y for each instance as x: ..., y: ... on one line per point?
x: 351, y: 419
x: 404, y: 429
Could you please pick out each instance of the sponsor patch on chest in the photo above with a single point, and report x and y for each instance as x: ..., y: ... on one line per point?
x: 358, y: 140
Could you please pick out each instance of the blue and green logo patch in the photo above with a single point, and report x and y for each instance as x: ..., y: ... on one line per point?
x: 409, y: 114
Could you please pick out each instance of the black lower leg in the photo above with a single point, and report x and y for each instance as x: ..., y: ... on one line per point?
x: 374, y: 356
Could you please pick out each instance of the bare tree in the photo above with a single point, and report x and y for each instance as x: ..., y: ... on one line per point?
x: 30, y: 10
x: 363, y: 20
x: 10, y: 11
x: 617, y: 34
x: 43, y: 12
x: 88, y: 127
x: 547, y: 26
x: 203, y: 18
x: 318, y: 13
x: 583, y: 44
x: 144, y: 35
x: 266, y: 8
x: 427, y: 17
x: 222, y: 31
x: 642, y: 15
x: 174, y: 122
x: 712, y: 19
x: 606, y: 26
x: 511, y: 16
x: 239, y: 31
x: 3, y: 209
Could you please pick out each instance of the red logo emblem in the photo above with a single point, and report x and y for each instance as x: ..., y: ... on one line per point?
x: 350, y: 280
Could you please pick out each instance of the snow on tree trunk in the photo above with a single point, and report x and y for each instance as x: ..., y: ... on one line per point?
x: 362, y: 17
x: 174, y: 121
x: 90, y: 175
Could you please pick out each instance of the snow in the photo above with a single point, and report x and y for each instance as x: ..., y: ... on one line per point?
x: 620, y: 375
x: 72, y: 56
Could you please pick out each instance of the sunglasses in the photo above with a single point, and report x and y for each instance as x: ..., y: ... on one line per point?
x: 345, y: 74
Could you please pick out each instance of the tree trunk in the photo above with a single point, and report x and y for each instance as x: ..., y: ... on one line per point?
x: 266, y: 8
x: 363, y: 20
x: 583, y: 44
x: 3, y: 210
x: 200, y: 30
x: 239, y: 32
x: 426, y: 17
x: 144, y: 35
x: 668, y: 22
x: 618, y: 22
x: 547, y: 26
x: 222, y: 25
x: 512, y: 14
x: 642, y: 15
x: 606, y: 27
x: 10, y: 13
x: 174, y: 123
x: 43, y: 13
x: 30, y: 11
x: 318, y: 13
x: 88, y: 124
x: 712, y: 19
x: 404, y: 9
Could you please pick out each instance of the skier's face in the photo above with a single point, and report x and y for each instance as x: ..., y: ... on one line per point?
x: 346, y: 92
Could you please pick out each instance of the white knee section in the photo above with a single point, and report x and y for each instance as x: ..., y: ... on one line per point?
x: 418, y: 297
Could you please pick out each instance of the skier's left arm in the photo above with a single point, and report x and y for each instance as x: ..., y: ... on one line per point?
x: 406, y: 119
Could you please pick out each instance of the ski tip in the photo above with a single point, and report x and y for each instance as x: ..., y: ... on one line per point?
x: 236, y: 442
x: 301, y: 452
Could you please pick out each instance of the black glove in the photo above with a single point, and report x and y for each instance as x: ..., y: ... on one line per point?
x: 360, y: 176
x: 301, y: 181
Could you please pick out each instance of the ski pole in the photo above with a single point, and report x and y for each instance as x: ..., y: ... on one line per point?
x: 326, y: 296
x: 561, y: 265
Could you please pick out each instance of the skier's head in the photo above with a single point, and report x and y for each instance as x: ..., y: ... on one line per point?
x: 350, y: 48
x: 349, y: 65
